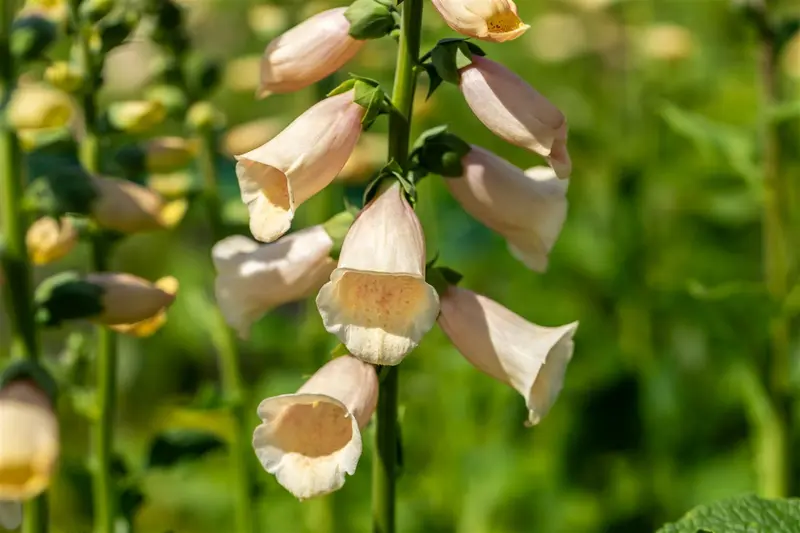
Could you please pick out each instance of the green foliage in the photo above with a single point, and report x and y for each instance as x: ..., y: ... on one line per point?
x: 748, y: 513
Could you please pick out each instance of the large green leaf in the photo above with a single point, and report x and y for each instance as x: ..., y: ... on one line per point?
x: 744, y: 514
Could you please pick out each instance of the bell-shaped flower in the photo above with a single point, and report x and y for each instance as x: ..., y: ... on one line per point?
x: 10, y: 514
x: 298, y: 163
x: 29, y: 445
x: 515, y: 111
x: 48, y: 239
x: 309, y: 440
x: 127, y: 299
x: 253, y: 278
x: 527, y: 208
x: 377, y: 301
x: 488, y: 20
x: 307, y: 53
x: 148, y: 326
x: 127, y: 207
x: 532, y: 359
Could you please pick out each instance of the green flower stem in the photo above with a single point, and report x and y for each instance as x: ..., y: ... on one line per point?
x: 104, y: 493
x: 16, y: 266
x: 775, y: 228
x: 386, y: 428
x: 240, y: 452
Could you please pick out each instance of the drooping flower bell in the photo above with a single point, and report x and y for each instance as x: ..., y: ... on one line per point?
x: 516, y: 112
x: 298, y: 163
x: 48, y: 239
x: 29, y: 445
x: 309, y: 440
x: 527, y: 208
x: 377, y: 301
x: 488, y: 20
x: 253, y: 278
x: 532, y: 359
x: 307, y: 53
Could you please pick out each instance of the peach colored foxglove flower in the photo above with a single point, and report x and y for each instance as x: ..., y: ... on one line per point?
x: 377, y: 301
x: 253, y: 278
x: 489, y: 20
x: 307, y: 53
x: 527, y: 208
x: 150, y: 325
x: 515, y: 111
x: 10, y: 514
x: 48, y: 239
x: 298, y: 163
x: 532, y: 359
x: 29, y: 444
x: 128, y: 299
x: 126, y: 207
x: 309, y: 440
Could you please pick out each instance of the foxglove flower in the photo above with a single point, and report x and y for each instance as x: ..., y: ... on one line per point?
x: 527, y: 208
x: 126, y: 207
x: 148, y: 326
x: 127, y: 299
x: 532, y: 359
x: 29, y: 445
x: 489, y: 20
x: 298, y: 163
x: 377, y: 301
x: 515, y: 111
x: 307, y: 53
x: 309, y: 440
x: 253, y: 278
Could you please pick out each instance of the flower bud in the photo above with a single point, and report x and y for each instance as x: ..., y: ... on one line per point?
x: 126, y: 207
x: 136, y: 116
x: 298, y: 163
x: 10, y: 514
x: 127, y: 299
x: 29, y: 445
x: 48, y: 239
x: 309, y: 440
x: 527, y: 208
x: 253, y: 278
x: 377, y: 301
x: 39, y: 107
x: 148, y: 326
x: 307, y: 53
x: 532, y: 359
x: 515, y: 111
x: 64, y: 76
x: 488, y: 20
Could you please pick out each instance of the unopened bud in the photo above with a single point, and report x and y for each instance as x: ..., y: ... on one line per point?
x: 136, y: 116
x: 31, y: 36
x: 370, y: 19
x: 64, y: 76
x: 147, y: 327
x: 126, y: 207
x: 39, y: 107
x: 49, y: 239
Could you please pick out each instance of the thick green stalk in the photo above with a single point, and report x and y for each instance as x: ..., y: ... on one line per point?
x: 229, y: 357
x: 15, y: 263
x: 774, y: 476
x: 386, y: 425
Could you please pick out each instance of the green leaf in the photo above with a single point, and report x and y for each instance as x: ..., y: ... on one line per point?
x: 434, y: 79
x: 745, y: 514
x: 177, y: 445
x: 444, y: 61
x: 733, y: 145
x: 463, y: 55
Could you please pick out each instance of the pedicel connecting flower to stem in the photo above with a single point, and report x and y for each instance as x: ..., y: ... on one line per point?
x: 383, y: 296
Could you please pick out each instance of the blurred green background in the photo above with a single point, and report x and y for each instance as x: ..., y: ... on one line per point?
x: 659, y: 261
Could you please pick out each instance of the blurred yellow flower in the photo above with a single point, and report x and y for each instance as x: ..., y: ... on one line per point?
x: 267, y: 20
x: 243, y: 74
x: 37, y: 107
x: 48, y: 239
x: 666, y: 42
x: 126, y: 207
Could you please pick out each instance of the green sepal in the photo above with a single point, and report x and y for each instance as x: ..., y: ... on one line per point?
x: 337, y: 227
x: 27, y: 370
x: 434, y: 80
x: 31, y: 36
x: 339, y: 351
x: 447, y: 58
x: 371, y: 98
x: 370, y: 19
x: 64, y: 190
x: 392, y: 171
x: 440, y: 278
x: 342, y: 87
x: 67, y: 296
x: 440, y: 152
